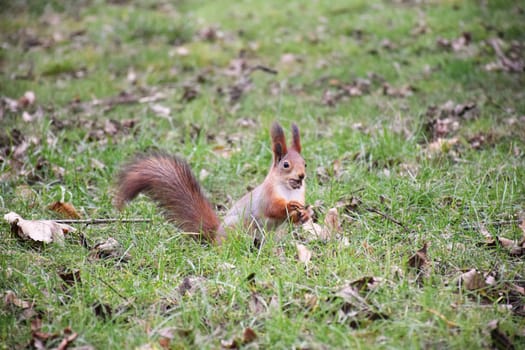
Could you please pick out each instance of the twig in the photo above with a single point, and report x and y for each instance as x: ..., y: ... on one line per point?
x: 99, y: 221
x: 264, y: 69
x: 515, y: 66
x: 111, y: 287
x: 449, y: 323
x: 388, y: 217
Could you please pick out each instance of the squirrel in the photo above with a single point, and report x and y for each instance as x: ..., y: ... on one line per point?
x: 170, y: 182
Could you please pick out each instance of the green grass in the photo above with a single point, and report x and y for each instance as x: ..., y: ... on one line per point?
x: 87, y: 51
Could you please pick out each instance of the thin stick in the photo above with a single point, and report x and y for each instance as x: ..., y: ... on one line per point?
x: 388, y: 217
x: 264, y: 69
x: 99, y: 221
x: 111, y: 287
x: 441, y: 316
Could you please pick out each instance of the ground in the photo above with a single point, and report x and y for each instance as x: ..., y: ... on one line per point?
x: 412, y: 118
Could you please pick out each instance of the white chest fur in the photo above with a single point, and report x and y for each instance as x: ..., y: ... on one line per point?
x: 290, y: 194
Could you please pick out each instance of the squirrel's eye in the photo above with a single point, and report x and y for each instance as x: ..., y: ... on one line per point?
x: 305, y: 165
x: 286, y: 165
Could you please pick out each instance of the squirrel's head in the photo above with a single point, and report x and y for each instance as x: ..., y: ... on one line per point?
x: 288, y: 164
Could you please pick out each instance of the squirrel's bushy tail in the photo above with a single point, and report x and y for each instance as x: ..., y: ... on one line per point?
x: 169, y: 181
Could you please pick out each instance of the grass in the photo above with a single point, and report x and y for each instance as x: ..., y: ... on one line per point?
x: 72, y: 55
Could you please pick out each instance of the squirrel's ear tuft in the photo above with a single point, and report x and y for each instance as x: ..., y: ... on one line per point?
x: 278, y: 142
x: 296, y: 138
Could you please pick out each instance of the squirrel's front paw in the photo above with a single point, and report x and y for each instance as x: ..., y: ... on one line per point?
x: 298, y: 213
x: 294, y: 206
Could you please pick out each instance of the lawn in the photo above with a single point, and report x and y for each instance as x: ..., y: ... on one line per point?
x: 412, y: 119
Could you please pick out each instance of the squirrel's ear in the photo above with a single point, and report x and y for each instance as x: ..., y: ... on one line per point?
x: 278, y: 142
x: 296, y: 139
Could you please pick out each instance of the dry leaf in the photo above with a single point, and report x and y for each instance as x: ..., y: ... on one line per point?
x: 67, y: 210
x: 457, y: 44
x: 366, y: 283
x: 111, y: 127
x: 311, y: 301
x: 232, y: 343
x: 109, y: 249
x: 303, y: 254
x: 472, y: 280
x: 190, y: 93
x: 442, y: 145
x: 68, y: 339
x: 331, y: 221
x: 46, y: 231
x: 70, y: 277
x: 190, y: 285
x: 248, y: 335
x: 514, y: 248
x: 419, y: 261
x: 10, y: 298
x: 161, y: 111
x: 499, y: 339
x: 27, y: 100
x: 505, y: 61
x: 257, y: 304
x: 489, y: 240
x: 182, y: 51
x: 288, y: 58
x: 355, y: 308
x: 315, y: 230
x: 102, y: 310
x: 401, y: 92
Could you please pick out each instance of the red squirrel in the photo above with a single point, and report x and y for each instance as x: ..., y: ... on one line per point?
x: 169, y: 181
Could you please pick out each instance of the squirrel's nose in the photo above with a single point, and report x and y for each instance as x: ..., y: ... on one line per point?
x: 301, y: 176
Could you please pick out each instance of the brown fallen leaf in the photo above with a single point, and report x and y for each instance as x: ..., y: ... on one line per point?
x: 69, y: 337
x: 366, y: 283
x: 511, y: 246
x: 102, y: 310
x: 442, y: 146
x: 314, y: 230
x: 70, y: 277
x: 190, y: 93
x: 356, y: 309
x: 401, y: 92
x: 10, y: 298
x: 160, y: 110
x: 489, y: 240
x: 457, y: 44
x: 500, y: 340
x: 289, y: 58
x: 331, y: 221
x: 473, y: 280
x: 109, y: 249
x: 27, y: 99
x: 303, y: 253
x: 311, y: 301
x: 210, y: 34
x: 505, y: 62
x: 67, y: 210
x: 190, y: 285
x: 46, y: 231
x: 248, y: 335
x: 39, y: 338
x: 419, y: 261
x: 257, y: 304
x: 349, y: 205
x: 232, y: 343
